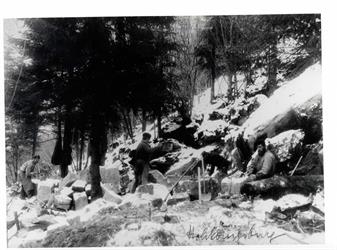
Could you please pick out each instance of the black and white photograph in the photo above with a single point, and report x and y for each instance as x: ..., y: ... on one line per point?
x: 175, y: 130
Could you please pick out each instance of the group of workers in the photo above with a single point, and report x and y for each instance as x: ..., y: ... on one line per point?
x: 260, y: 166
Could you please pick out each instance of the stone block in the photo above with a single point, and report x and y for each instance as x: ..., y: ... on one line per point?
x: 44, y: 190
x: 68, y: 191
x: 232, y: 186
x: 111, y: 175
x: 79, y: 186
x: 80, y: 200
x: 110, y: 195
x: 178, y: 197
x: 62, y: 201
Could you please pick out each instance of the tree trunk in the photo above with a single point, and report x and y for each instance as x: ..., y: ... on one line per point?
x: 213, y: 73
x: 81, y: 147
x: 277, y: 186
x: 143, y: 120
x: 66, y: 149
x: 248, y: 76
x: 98, y: 147
x: 35, y: 133
x: 230, y: 86
x: 160, y: 132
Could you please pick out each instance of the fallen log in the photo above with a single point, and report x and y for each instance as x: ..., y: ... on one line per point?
x: 277, y: 186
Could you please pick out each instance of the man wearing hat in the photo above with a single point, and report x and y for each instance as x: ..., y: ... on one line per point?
x: 142, y: 161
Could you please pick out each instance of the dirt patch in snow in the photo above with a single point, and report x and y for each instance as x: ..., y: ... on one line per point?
x: 91, y: 234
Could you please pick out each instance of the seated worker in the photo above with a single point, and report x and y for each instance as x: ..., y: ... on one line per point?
x: 262, y: 163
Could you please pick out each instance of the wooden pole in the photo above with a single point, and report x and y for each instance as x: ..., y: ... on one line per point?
x: 16, y: 220
x: 203, y: 174
x: 199, y: 184
x: 293, y: 171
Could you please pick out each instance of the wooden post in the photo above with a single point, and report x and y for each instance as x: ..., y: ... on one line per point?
x: 293, y: 171
x: 150, y: 212
x: 17, y: 220
x: 203, y: 174
x: 199, y: 184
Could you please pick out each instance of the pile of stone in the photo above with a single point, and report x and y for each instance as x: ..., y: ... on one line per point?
x: 74, y: 191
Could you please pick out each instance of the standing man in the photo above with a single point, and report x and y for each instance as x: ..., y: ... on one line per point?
x: 142, y: 161
x: 25, y: 176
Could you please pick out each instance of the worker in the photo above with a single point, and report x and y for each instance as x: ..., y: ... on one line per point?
x: 25, y: 176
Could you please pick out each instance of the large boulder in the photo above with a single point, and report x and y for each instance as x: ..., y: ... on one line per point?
x: 180, y: 167
x: 312, y: 163
x: 162, y: 164
x: 286, y: 144
x: 211, y: 131
x: 286, y: 107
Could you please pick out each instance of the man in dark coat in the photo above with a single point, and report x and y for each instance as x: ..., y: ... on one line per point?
x: 25, y: 176
x: 142, y: 159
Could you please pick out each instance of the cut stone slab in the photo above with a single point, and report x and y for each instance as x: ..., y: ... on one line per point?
x: 62, y: 201
x: 68, y: 180
x: 111, y: 175
x: 111, y: 187
x: 68, y: 191
x: 110, y: 195
x: 80, y: 200
x: 178, y: 197
x: 232, y: 185
x: 153, y: 190
x: 44, y: 190
x: 145, y: 189
x: 79, y: 186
